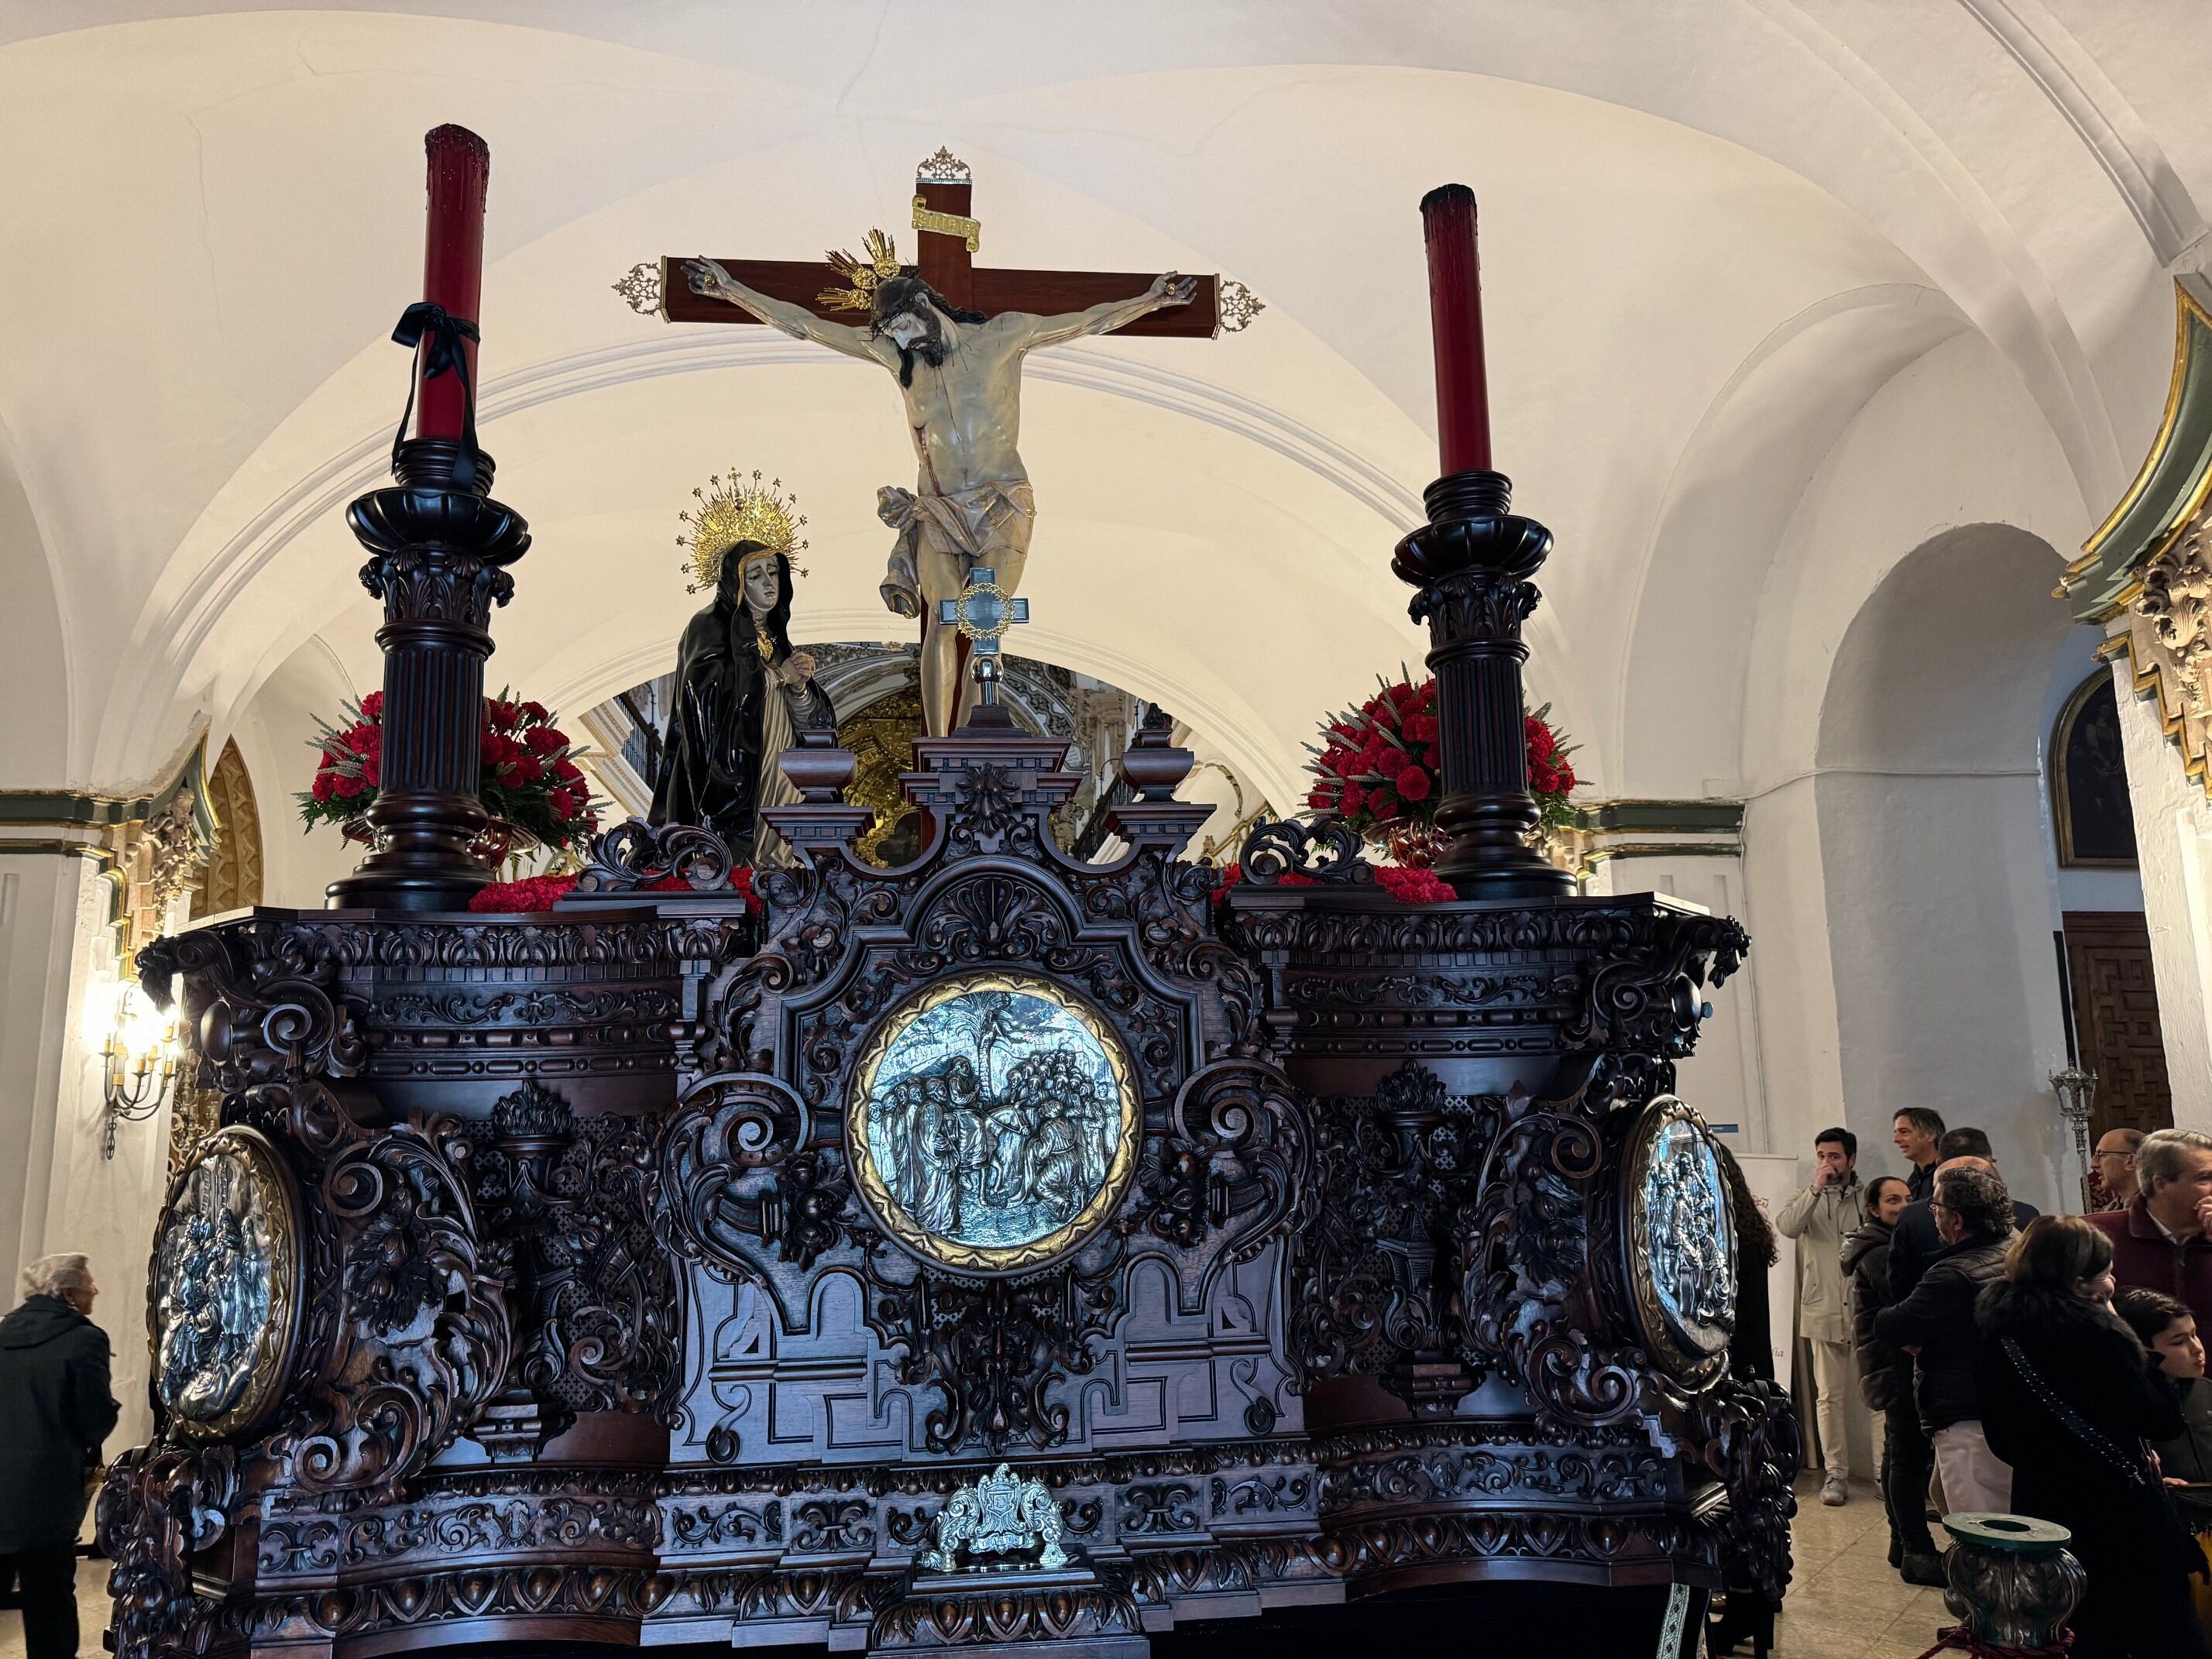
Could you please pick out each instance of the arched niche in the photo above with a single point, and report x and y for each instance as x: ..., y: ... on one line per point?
x: 1928, y: 790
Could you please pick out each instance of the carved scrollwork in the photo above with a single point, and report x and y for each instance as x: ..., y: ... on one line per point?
x: 1371, y: 1287
x: 423, y: 1333
x: 1526, y: 1250
x: 994, y: 1350
x: 1745, y: 1431
x: 597, y: 1310
x: 1236, y: 1160
x: 635, y: 854
x: 734, y: 1173
x: 1651, y: 1002
x: 158, y: 1506
x: 1325, y: 850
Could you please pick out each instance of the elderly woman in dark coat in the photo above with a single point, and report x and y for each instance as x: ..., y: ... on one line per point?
x: 57, y: 1409
x: 2068, y: 1397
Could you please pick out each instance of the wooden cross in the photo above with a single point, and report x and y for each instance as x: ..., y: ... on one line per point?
x: 948, y: 239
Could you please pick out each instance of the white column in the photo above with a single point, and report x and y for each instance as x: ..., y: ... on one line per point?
x: 2172, y: 822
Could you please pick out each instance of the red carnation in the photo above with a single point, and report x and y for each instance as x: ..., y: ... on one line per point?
x: 1317, y: 799
x: 1432, y: 758
x: 568, y: 771
x: 563, y: 807
x: 372, y: 706
x: 372, y: 771
x: 543, y: 740
x: 1353, y: 800
x: 347, y: 786
x: 1422, y: 729
x: 324, y: 783
x: 537, y: 712
x: 1414, y: 784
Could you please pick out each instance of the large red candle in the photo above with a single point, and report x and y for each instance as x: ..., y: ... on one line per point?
x: 452, y: 267
x: 1456, y: 324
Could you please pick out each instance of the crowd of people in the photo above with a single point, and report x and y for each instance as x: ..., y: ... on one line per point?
x: 2024, y: 1364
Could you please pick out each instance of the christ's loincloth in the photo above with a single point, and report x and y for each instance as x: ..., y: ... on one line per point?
x: 968, y: 527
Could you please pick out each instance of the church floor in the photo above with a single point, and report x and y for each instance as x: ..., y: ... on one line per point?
x: 1845, y: 1600
x: 1844, y: 1603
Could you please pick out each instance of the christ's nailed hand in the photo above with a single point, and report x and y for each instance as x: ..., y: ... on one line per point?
x: 1175, y: 289
x: 706, y: 277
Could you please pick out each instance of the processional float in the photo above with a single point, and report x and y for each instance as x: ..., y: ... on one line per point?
x: 998, y: 1252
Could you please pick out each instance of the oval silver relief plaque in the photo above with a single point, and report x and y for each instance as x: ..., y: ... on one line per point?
x: 1681, y: 1241
x: 995, y: 1121
x: 226, y: 1289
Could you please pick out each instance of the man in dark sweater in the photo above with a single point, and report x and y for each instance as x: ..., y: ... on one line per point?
x: 1915, y: 1132
x: 55, y: 1402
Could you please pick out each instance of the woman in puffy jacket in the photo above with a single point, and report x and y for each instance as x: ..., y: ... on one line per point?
x: 1885, y: 1370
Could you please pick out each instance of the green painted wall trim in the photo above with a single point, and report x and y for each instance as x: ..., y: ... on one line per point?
x: 2170, y: 490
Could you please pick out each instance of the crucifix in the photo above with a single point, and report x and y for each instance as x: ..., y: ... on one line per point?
x: 954, y: 335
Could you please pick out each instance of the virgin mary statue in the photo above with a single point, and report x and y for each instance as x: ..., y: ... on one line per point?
x: 741, y: 691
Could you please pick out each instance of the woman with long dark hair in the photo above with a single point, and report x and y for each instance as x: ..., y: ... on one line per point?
x: 1885, y: 1370
x: 2068, y: 1399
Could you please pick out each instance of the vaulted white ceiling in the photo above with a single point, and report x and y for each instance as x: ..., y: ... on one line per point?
x: 1715, y: 234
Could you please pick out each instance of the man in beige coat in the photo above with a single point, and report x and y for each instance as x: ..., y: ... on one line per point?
x: 1820, y: 1219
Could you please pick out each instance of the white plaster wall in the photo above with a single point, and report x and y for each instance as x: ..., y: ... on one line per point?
x: 1899, y: 881
x: 40, y: 897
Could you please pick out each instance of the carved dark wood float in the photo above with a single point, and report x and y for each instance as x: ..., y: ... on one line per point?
x: 661, y: 1272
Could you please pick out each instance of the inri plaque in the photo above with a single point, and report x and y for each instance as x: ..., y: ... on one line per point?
x: 994, y: 1121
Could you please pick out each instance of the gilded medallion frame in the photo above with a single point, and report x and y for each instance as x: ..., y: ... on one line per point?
x: 278, y: 1344
x: 1687, y: 1364
x: 990, y: 1260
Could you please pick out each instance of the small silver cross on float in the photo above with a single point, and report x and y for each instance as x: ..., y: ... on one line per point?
x: 983, y: 613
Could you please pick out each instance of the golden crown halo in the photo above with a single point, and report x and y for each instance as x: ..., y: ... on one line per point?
x: 860, y: 275
x: 738, y: 512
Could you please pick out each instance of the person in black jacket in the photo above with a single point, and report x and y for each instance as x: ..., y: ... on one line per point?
x: 1885, y: 1372
x: 2069, y: 1396
x: 55, y: 1404
x: 1935, y: 1324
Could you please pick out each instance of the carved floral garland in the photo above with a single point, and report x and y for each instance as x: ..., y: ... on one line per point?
x: 1377, y: 767
x: 533, y: 788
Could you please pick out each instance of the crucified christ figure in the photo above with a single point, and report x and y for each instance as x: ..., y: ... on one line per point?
x: 961, y: 375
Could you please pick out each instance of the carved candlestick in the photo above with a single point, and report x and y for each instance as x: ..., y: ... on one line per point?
x: 437, y: 546
x: 1472, y: 564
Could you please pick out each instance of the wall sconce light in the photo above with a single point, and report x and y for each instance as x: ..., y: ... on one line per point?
x: 138, y: 1066
x: 2077, y: 1095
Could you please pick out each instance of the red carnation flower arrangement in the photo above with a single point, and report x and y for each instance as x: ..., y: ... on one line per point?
x: 532, y: 789
x: 1377, y: 767
x: 536, y: 894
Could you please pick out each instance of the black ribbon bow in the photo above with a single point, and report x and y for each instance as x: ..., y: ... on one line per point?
x: 445, y: 331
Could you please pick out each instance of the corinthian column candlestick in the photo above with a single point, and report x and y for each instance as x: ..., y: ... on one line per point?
x: 438, y: 547
x: 1472, y: 562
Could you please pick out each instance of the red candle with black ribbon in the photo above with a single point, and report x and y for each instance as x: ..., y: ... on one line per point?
x: 1456, y: 326
x: 453, y: 282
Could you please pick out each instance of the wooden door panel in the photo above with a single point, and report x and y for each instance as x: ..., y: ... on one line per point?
x: 2116, y: 1019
